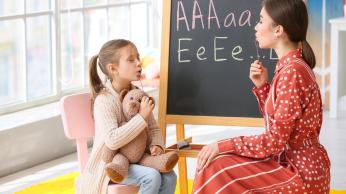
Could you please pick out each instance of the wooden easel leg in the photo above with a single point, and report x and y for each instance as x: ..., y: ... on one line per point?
x: 163, y: 128
x: 180, y: 134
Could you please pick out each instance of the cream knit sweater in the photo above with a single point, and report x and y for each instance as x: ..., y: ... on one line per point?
x: 108, y: 116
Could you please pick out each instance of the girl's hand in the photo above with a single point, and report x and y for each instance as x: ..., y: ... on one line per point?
x: 156, y: 150
x: 147, y: 107
x: 206, y: 155
x: 258, y: 74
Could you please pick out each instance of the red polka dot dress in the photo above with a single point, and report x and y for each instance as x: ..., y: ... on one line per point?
x: 287, y: 157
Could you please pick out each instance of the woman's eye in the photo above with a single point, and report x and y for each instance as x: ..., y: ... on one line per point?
x: 131, y: 98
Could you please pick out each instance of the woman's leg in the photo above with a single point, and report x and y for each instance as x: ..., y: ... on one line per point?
x: 168, y: 182
x: 148, y: 179
x: 237, y: 174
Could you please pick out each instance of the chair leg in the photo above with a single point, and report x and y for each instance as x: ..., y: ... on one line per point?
x: 82, y: 151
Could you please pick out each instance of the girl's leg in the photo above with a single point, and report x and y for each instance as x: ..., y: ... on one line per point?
x: 168, y: 182
x: 148, y: 179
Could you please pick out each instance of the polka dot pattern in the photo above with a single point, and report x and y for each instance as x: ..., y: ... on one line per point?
x: 292, y: 108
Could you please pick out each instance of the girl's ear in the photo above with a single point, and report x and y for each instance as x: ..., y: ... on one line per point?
x: 123, y: 94
x: 112, y: 69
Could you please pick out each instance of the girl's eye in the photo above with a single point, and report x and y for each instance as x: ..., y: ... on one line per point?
x: 131, y: 98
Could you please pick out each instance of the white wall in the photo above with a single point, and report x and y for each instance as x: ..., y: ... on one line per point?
x: 31, y: 144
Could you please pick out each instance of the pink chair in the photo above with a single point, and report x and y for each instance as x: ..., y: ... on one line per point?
x: 79, y: 125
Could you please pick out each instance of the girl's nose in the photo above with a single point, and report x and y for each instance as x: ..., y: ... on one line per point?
x: 139, y: 63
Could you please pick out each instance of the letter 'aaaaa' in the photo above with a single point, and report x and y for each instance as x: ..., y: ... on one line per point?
x: 197, y: 15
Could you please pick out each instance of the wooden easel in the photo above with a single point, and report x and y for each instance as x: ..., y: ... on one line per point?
x: 181, y: 120
x: 180, y: 135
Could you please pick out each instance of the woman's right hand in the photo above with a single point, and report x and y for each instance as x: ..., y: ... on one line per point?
x: 147, y: 107
x: 258, y: 73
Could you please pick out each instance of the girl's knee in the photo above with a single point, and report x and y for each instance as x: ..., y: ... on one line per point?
x: 153, y: 176
x: 150, y: 182
x: 170, y: 177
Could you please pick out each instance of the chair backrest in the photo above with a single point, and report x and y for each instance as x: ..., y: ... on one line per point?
x: 78, y: 122
x: 79, y: 125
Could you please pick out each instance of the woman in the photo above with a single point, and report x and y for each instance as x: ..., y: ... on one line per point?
x: 287, y: 157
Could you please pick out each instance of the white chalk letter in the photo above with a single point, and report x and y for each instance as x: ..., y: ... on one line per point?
x: 232, y: 20
x: 194, y: 16
x: 180, y: 4
x: 200, y: 52
x: 211, y: 5
x: 272, y: 55
x: 182, y: 50
x: 216, y: 49
x: 236, y: 51
x: 247, y: 14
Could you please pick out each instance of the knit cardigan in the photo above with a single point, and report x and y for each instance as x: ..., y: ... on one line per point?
x: 108, y: 116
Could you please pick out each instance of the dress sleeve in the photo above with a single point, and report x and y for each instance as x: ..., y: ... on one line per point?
x: 289, y: 102
x: 261, y: 94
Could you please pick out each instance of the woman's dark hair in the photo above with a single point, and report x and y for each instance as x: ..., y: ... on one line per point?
x: 293, y: 16
x: 109, y: 53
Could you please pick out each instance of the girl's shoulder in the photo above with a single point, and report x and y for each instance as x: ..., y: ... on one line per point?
x: 106, y: 99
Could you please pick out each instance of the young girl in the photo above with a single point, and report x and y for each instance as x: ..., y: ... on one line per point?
x: 287, y: 157
x: 119, y: 61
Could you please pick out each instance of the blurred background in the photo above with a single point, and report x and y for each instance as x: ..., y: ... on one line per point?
x: 45, y: 45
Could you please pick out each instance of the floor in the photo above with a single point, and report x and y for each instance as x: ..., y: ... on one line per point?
x: 333, y: 137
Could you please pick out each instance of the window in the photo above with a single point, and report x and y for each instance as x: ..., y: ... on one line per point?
x: 45, y: 45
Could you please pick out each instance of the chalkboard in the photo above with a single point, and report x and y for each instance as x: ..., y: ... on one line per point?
x: 211, y: 47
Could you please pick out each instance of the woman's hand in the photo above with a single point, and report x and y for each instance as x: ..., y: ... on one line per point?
x: 258, y: 74
x: 156, y: 150
x: 147, y: 107
x: 206, y: 155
